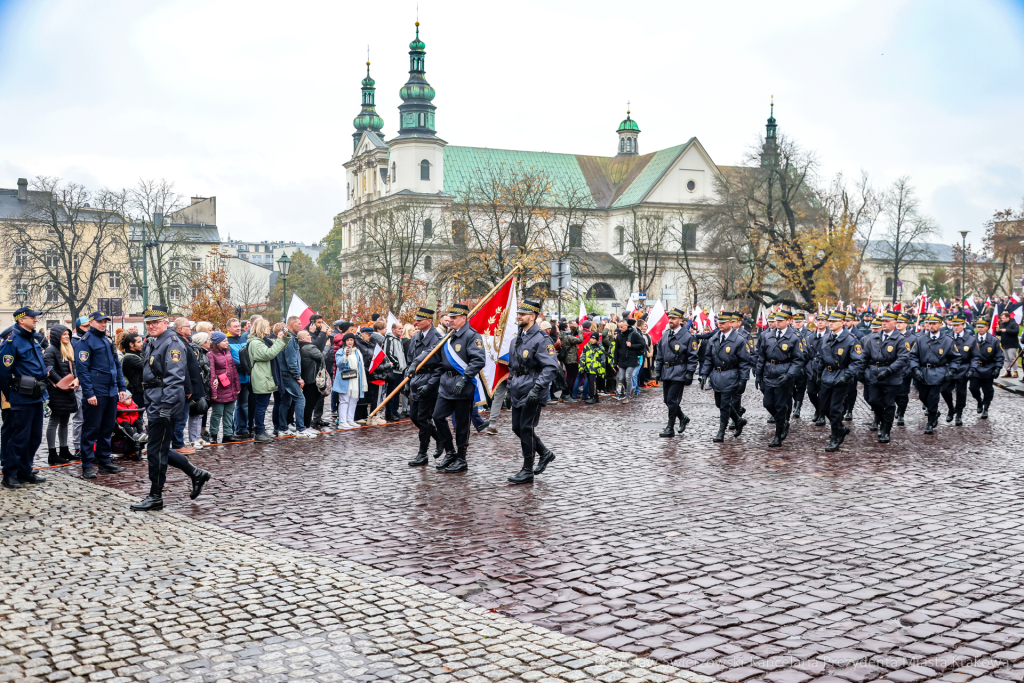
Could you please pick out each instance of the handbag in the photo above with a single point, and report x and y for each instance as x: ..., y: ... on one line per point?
x: 65, y: 383
x: 349, y: 374
x: 198, y: 407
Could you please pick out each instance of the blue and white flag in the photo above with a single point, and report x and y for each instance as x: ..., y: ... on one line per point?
x: 479, y: 395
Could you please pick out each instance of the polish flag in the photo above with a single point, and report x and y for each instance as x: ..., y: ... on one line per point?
x: 969, y: 301
x: 299, y: 309
x: 898, y: 306
x: 993, y: 329
x: 762, y: 319
x: 657, y: 321
x: 583, y: 313
x: 378, y: 358
x: 392, y: 321
x: 630, y: 307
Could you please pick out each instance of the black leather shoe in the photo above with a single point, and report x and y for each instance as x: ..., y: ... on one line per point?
x: 899, y: 419
x: 796, y: 408
x: 979, y: 407
x: 740, y: 425
x: 150, y: 503
x: 524, y: 476
x: 668, y: 431
x: 110, y: 469
x: 420, y: 460
x: 776, y: 442
x: 683, y: 421
x: 52, y: 458
x: 589, y: 401
x: 771, y: 419
x: 883, y: 436
x: 545, y: 460
x: 785, y: 430
x: 198, y: 480
x: 32, y: 479
x: 929, y: 429
x: 984, y: 411
x: 458, y: 466
x: 841, y: 437
x: 88, y: 473
x: 11, y: 483
x: 959, y: 420
x: 949, y: 417
x: 848, y: 417
x: 720, y: 436
x: 438, y: 451
x: 819, y: 421
x: 449, y: 458
x: 874, y: 425
x: 833, y: 444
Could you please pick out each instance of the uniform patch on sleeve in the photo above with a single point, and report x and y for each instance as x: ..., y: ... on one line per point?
x: 83, y: 356
x: 175, y: 355
x: 8, y: 360
x: 550, y: 349
x: 479, y: 343
x: 856, y: 348
x: 693, y: 346
x: 907, y: 344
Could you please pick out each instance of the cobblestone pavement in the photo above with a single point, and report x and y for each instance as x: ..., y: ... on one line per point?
x: 734, y: 560
x: 90, y: 591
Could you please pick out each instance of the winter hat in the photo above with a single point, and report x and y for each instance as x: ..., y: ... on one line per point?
x: 200, y: 338
x: 217, y: 337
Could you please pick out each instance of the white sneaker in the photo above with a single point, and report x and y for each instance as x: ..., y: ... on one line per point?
x: 354, y: 425
x: 196, y: 445
x: 306, y: 434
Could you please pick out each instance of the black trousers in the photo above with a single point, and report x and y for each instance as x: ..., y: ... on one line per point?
x: 800, y: 386
x: 832, y: 401
x: 460, y: 411
x: 813, y: 392
x: 311, y: 394
x: 421, y: 412
x: 391, y: 407
x: 959, y: 386
x: 672, y: 394
x: 882, y: 399
x: 98, y: 424
x: 524, y: 425
x: 851, y: 396
x: 779, y: 402
x: 903, y: 395
x: 23, y: 425
x: 159, y: 454
x: 728, y: 403
x: 981, y: 389
x: 930, y: 394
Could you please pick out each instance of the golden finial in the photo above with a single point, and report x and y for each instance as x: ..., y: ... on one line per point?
x: 627, y: 107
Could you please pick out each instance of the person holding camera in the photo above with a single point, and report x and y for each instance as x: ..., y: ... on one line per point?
x: 22, y: 381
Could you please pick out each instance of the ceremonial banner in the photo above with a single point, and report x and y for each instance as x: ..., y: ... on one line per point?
x: 657, y: 321
x: 496, y: 323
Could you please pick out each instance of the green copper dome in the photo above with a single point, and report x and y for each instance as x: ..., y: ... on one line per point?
x: 628, y: 124
x: 416, y: 113
x: 417, y: 91
x: 367, y: 120
x: 417, y: 44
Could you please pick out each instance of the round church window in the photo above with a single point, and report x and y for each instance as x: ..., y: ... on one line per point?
x: 690, y: 185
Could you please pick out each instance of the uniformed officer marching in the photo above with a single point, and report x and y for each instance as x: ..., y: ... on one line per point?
x: 800, y: 385
x: 903, y: 394
x: 935, y: 362
x: 99, y: 374
x: 22, y: 376
x: 986, y: 362
x: 966, y: 344
x: 532, y: 364
x: 812, y: 368
x: 163, y: 379
x: 424, y: 383
x: 675, y: 359
x: 736, y: 322
x: 850, y: 324
x: 463, y: 358
x: 840, y: 361
x: 886, y: 358
x: 778, y: 362
x: 727, y: 365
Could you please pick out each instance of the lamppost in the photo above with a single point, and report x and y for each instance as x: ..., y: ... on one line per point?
x: 963, y: 266
x: 21, y: 296
x: 283, y: 265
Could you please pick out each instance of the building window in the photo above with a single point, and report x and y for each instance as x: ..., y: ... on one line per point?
x: 135, y: 293
x: 424, y: 170
x: 244, y: 257
x: 21, y: 257
x: 113, y: 281
x: 394, y: 172
x: 52, y: 296
x: 51, y: 259
x: 622, y: 145
x: 691, y: 185
x: 576, y: 236
x: 620, y: 239
x: 601, y: 290
x: 428, y: 229
x: 174, y: 264
x: 629, y: 144
x: 888, y: 286
x: 428, y: 264
x: 518, y: 236
x: 174, y: 293
x: 689, y: 237
x: 197, y: 263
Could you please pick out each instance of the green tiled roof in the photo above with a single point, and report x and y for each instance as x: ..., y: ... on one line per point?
x: 610, y: 181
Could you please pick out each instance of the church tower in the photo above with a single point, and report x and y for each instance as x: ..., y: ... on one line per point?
x: 417, y: 154
x: 628, y: 133
x: 770, y: 150
x: 368, y: 120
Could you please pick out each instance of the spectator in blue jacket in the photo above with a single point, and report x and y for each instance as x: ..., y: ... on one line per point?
x: 243, y: 416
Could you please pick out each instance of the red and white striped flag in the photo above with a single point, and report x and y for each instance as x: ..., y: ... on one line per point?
x: 298, y: 308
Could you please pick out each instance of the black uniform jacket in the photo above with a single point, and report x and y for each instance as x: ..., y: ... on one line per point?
x: 164, y: 374
x: 420, y: 345
x: 675, y: 356
x: 841, y: 358
x: 468, y: 345
x: 727, y: 361
x: 894, y: 354
x: 987, y: 357
x: 779, y: 361
x: 935, y: 357
x: 532, y: 361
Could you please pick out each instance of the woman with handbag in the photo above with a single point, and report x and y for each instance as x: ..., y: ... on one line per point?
x: 263, y: 349
x: 349, y: 381
x: 200, y: 400
x: 59, y: 359
x: 224, y: 387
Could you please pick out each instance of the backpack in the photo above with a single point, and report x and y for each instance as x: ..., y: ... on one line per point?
x: 323, y: 380
x: 244, y: 361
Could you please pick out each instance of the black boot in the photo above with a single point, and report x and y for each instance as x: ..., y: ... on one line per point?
x: 720, y: 436
x: 438, y: 450
x: 883, y: 432
x: 899, y: 417
x: 796, y: 408
x: 545, y: 459
x: 670, y: 430
x: 109, y: 468
x: 459, y: 465
x: 199, y: 478
x: 597, y: 398
x: 52, y: 458
x: 979, y: 406
x: 785, y: 430
x: 66, y: 455
x: 848, y: 417
x: 421, y: 459
x: 819, y: 419
x: 775, y: 442
x: 833, y: 442
x: 151, y: 503
x: 984, y: 410
x: 740, y: 424
x: 841, y: 436
x: 959, y: 419
x: 949, y: 415
x: 589, y: 401
x: 449, y: 458
x: 874, y: 423
x: 683, y: 421
x: 525, y: 476
x: 929, y: 429
x: 11, y: 482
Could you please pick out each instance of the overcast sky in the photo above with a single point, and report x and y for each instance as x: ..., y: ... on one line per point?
x: 253, y: 101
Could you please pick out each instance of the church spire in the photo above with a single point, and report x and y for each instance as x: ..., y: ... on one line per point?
x: 368, y: 120
x: 770, y: 150
x: 416, y: 110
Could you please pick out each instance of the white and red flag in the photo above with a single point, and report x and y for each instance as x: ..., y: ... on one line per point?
x: 496, y: 323
x: 298, y: 308
x: 375, y: 361
x: 657, y: 321
x: 762, y: 319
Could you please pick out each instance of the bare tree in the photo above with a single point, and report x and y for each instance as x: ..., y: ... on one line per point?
x: 250, y: 288
x: 646, y: 239
x: 906, y: 227
x: 568, y: 230
x: 63, y: 246
x: 852, y: 214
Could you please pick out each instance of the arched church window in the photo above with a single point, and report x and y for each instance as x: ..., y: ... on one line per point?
x: 601, y: 290
x: 394, y: 171
x: 622, y: 144
x: 424, y: 170
x: 428, y: 229
x: 428, y: 264
x: 629, y: 144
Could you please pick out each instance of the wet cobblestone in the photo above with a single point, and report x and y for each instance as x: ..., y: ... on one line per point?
x: 734, y: 560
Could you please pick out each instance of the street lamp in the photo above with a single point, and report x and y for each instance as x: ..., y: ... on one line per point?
x: 21, y: 296
x: 283, y: 265
x: 963, y: 266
